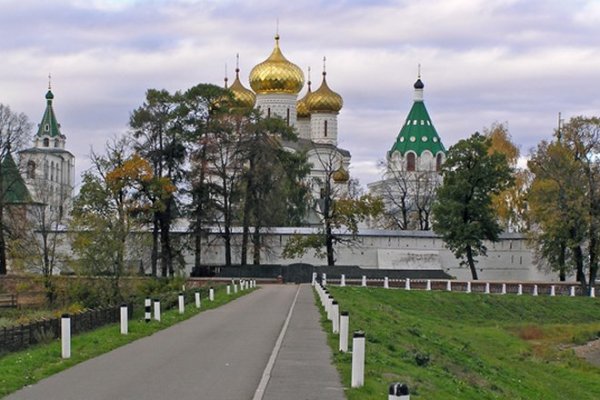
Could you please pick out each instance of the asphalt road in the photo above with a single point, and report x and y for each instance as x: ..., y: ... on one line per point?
x: 219, y: 354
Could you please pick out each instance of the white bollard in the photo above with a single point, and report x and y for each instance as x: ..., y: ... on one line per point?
x: 572, y: 291
x: 363, y: 283
x: 386, y: 283
x: 314, y: 279
x: 329, y: 307
x: 428, y: 287
x: 503, y: 288
x: 228, y: 290
x: 407, y: 284
x: 520, y: 290
x: 344, y: 323
x: 65, y: 335
x: 592, y: 292
x: 469, y: 287
x: 197, y: 298
x: 124, y: 319
x: 157, y: 309
x: 552, y: 291
x: 535, y: 290
x: 211, y: 294
x: 335, y: 317
x: 235, y: 289
x: 324, y: 279
x: 148, y: 309
x: 398, y: 391
x: 181, y: 302
x: 343, y: 280
x: 487, y: 288
x: 358, y: 359
x: 449, y: 286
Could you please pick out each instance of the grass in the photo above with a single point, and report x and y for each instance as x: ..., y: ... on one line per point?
x: 470, y: 346
x: 26, y: 367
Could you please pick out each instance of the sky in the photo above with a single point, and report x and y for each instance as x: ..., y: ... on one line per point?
x: 518, y: 62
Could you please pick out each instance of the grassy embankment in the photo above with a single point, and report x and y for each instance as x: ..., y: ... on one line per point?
x: 37, y: 362
x: 470, y: 346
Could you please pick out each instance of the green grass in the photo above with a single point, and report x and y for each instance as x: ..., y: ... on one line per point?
x: 470, y: 346
x: 26, y: 367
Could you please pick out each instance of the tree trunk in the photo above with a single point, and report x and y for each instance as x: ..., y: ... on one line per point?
x: 3, y: 268
x: 198, y: 236
x: 256, y: 246
x: 227, y: 238
x: 578, y: 258
x: 562, y: 275
x: 471, y: 262
x: 154, y: 251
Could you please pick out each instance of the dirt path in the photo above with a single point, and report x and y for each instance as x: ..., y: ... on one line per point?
x: 590, y: 352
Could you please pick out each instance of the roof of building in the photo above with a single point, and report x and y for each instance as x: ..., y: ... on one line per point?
x: 418, y: 133
x: 15, y: 190
x: 49, y: 125
x: 276, y: 74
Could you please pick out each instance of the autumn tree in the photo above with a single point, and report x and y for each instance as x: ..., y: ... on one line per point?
x: 463, y: 212
x: 15, y: 130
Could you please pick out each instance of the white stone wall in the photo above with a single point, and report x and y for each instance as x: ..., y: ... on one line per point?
x: 303, y: 128
x: 317, y: 128
x: 279, y: 104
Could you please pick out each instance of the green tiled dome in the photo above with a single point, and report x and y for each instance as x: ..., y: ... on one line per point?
x: 418, y: 133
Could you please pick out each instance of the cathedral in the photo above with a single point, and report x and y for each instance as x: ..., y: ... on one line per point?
x: 276, y: 84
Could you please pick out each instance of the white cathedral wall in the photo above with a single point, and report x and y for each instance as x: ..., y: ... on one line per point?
x: 317, y: 128
x: 279, y: 104
x: 303, y: 128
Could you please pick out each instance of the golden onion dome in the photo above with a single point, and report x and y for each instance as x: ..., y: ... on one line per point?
x: 276, y: 74
x: 341, y: 175
x: 245, y: 98
x: 324, y: 99
x: 301, y: 108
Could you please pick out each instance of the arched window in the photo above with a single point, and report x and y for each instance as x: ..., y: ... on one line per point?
x: 288, y: 117
x: 56, y: 143
x: 31, y: 169
x: 46, y: 142
x: 52, y: 171
x: 269, y: 112
x: 46, y: 169
x: 411, y: 161
x: 438, y: 162
x: 325, y: 128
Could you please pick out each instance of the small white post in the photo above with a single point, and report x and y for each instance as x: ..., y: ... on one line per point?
x: 181, y: 302
x: 228, y: 290
x: 364, y: 281
x: 487, y: 288
x: 197, y: 298
x: 520, y: 290
x: 469, y: 287
x: 428, y: 287
x: 235, y: 288
x: 148, y: 309
x: 324, y: 279
x: 407, y: 284
x: 398, y: 391
x: 124, y: 319
x: 211, y: 294
x: 358, y: 359
x: 344, y: 323
x: 157, y: 309
x: 329, y: 307
x: 386, y: 283
x: 503, y: 288
x: 449, y: 286
x: 335, y: 317
x: 572, y: 291
x: 592, y: 292
x: 65, y: 335
x: 552, y: 291
x: 343, y: 280
x: 314, y: 279
x: 535, y: 290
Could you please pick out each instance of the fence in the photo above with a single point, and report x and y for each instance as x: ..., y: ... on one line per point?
x: 16, y: 338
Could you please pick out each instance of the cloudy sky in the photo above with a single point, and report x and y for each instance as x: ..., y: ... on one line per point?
x: 483, y: 61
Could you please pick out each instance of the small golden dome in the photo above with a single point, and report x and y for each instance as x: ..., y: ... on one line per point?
x: 301, y: 108
x: 245, y: 98
x: 324, y: 99
x: 341, y: 175
x: 276, y: 74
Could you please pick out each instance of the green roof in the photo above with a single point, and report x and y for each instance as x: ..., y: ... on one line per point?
x: 49, y: 125
x: 418, y: 133
x: 15, y: 190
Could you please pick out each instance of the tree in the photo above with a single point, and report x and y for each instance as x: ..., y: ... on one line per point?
x: 15, y: 130
x: 565, y: 199
x: 463, y: 213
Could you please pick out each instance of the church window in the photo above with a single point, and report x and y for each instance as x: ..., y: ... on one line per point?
x: 269, y: 112
x: 415, y: 122
x: 438, y: 162
x: 52, y: 171
x: 46, y: 170
x: 287, y: 118
x: 46, y: 142
x: 422, y: 122
x: 47, y: 127
x: 31, y: 170
x: 411, y: 160
x: 325, y: 128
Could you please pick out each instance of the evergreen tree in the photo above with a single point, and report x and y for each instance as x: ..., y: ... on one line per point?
x: 463, y: 212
